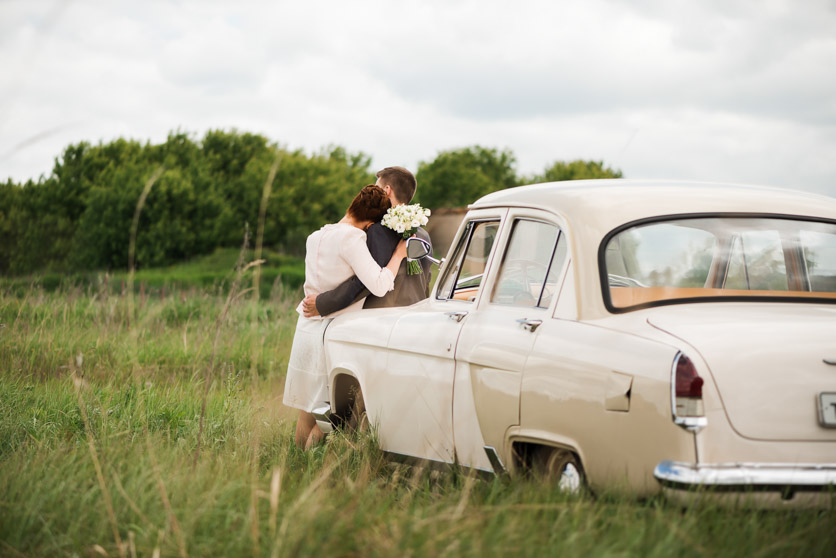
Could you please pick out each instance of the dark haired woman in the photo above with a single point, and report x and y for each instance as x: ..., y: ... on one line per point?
x: 333, y: 254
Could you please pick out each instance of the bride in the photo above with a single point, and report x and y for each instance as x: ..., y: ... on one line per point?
x: 333, y: 254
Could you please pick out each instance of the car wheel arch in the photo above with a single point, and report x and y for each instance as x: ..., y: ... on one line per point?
x: 346, y: 387
x: 521, y: 444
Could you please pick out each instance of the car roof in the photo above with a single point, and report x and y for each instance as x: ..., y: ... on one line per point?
x: 606, y: 204
x: 593, y: 208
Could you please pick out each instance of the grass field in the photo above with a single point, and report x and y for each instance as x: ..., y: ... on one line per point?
x: 102, y: 453
x: 212, y: 272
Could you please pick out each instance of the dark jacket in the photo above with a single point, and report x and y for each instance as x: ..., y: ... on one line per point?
x: 409, y: 289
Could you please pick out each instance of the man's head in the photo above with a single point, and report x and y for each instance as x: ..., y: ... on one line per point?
x: 398, y: 183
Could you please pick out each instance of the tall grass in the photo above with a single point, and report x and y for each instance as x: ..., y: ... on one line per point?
x: 99, y: 423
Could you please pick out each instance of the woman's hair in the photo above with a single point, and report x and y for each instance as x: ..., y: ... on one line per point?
x: 369, y: 205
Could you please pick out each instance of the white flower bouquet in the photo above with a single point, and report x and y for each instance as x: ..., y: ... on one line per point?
x: 405, y: 220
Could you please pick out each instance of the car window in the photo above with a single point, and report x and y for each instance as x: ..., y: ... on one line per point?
x: 756, y: 262
x: 820, y: 259
x: 720, y: 257
x: 463, y: 276
x: 530, y: 265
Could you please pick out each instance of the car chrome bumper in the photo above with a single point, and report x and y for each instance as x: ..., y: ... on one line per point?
x: 778, y: 477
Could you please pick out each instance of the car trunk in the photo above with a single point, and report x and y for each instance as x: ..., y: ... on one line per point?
x: 767, y: 361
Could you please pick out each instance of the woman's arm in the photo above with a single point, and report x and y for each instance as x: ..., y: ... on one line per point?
x: 381, y: 243
x: 378, y: 280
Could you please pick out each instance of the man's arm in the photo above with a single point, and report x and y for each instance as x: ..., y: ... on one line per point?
x: 381, y: 242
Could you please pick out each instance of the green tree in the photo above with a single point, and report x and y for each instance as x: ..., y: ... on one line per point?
x: 11, y: 221
x: 460, y: 176
x: 42, y: 228
x: 573, y: 170
x: 309, y: 192
x: 179, y: 219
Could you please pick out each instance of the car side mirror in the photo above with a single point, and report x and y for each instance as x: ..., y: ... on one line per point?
x: 418, y: 248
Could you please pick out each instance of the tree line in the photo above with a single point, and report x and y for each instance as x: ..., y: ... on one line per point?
x: 209, y: 191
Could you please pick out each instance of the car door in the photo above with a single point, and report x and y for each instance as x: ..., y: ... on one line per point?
x: 417, y: 418
x: 497, y: 337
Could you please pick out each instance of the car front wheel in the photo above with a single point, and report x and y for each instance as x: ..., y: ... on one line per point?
x: 358, y: 419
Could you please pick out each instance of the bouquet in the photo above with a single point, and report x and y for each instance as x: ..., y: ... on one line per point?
x: 405, y: 220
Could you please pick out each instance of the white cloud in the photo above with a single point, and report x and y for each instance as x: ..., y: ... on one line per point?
x: 725, y: 90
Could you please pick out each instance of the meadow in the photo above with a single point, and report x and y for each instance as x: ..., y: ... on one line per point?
x: 153, y: 426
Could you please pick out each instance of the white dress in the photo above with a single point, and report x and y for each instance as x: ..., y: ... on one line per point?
x: 333, y: 254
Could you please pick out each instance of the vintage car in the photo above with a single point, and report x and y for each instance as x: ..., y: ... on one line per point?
x: 652, y: 335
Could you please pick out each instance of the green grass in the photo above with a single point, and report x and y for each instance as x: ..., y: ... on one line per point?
x: 213, y: 272
x: 91, y: 383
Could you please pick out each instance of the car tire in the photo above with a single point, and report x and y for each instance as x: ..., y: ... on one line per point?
x: 358, y: 419
x: 561, y: 467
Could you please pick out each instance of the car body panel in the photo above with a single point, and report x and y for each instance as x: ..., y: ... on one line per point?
x: 565, y: 388
x: 490, y: 358
x: 792, y: 342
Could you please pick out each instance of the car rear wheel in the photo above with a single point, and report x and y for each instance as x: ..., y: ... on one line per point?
x: 561, y: 467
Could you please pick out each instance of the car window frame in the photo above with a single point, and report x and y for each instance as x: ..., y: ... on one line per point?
x: 469, y: 222
x: 500, y: 246
x: 512, y: 224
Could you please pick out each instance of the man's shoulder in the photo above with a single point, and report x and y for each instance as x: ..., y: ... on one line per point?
x: 423, y: 234
x: 379, y: 232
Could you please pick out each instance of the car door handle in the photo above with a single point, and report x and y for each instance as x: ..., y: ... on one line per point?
x: 831, y: 361
x: 458, y: 316
x: 530, y: 325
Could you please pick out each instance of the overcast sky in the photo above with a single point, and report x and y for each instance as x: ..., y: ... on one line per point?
x: 721, y: 90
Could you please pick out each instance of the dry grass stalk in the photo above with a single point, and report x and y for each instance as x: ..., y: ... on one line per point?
x: 77, y: 382
x: 232, y: 296
x: 275, y: 490
x: 300, y: 501
x: 130, y: 501
x: 262, y: 214
x: 132, y: 243
x: 468, y: 487
x: 254, y: 494
x: 172, y: 519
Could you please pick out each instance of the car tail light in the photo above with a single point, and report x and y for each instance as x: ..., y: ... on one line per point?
x: 686, y: 394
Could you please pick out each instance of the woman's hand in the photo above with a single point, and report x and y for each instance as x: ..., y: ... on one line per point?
x: 400, y: 249
x: 397, y: 257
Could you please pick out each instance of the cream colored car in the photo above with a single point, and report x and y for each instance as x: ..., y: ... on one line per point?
x: 647, y: 335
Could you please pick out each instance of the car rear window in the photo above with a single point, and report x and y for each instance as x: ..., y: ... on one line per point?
x: 719, y: 257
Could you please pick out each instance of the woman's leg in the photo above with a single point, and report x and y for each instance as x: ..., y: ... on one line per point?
x: 304, y: 426
x: 316, y: 435
x: 308, y: 433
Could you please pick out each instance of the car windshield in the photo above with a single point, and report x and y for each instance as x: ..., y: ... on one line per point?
x: 720, y: 257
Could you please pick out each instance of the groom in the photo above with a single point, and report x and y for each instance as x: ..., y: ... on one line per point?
x: 400, y: 185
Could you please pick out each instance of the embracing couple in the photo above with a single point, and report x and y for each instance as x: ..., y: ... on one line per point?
x: 350, y: 265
